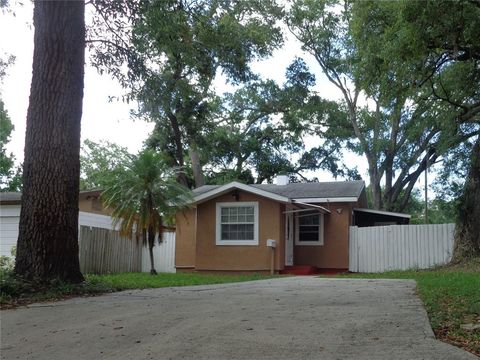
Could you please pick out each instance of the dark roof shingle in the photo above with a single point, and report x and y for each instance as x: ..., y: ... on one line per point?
x: 316, y: 189
x: 333, y: 189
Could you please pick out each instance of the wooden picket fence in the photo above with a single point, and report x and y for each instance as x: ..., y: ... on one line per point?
x: 105, y: 251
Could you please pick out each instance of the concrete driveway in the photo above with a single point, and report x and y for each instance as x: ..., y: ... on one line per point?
x: 289, y: 318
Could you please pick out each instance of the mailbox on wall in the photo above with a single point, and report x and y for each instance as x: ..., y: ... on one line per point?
x: 271, y: 243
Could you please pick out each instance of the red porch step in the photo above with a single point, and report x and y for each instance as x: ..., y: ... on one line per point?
x: 300, y: 270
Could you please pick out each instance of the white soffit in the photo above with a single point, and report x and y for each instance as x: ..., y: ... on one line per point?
x: 239, y: 186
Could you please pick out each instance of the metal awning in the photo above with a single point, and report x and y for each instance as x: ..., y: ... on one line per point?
x: 302, y: 207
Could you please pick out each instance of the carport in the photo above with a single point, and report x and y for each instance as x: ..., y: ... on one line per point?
x: 368, y: 217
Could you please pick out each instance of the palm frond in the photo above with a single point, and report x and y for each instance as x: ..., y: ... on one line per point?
x: 142, y: 193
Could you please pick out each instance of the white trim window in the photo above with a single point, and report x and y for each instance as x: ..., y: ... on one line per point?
x: 309, y: 229
x: 237, y: 223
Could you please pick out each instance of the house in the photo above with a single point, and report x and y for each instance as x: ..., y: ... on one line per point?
x: 92, y: 213
x: 230, y: 226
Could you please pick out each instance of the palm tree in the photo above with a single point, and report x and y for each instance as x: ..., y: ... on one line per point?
x: 141, y: 193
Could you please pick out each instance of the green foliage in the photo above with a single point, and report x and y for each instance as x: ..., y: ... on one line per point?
x: 140, y: 189
x: 417, y: 40
x: 10, y: 176
x: 261, y: 131
x: 366, y: 49
x: 419, y: 45
x: 380, y: 134
x: 141, y: 193
x: 97, y: 161
x: 7, y: 263
x: 174, y: 52
x: 420, y: 78
x: 6, y: 128
x: 16, y: 291
x: 441, y: 210
x: 416, y: 208
x: 12, y: 286
x: 209, y: 34
x: 433, y: 45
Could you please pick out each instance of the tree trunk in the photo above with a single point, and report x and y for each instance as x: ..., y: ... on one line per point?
x: 151, y: 244
x: 376, y: 189
x: 467, y: 232
x: 48, y: 231
x: 196, y: 166
x: 181, y: 176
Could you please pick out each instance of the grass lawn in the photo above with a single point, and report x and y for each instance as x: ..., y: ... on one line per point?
x: 144, y: 280
x: 15, y: 292
x: 451, y: 296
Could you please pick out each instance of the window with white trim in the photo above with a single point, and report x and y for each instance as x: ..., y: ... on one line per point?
x: 309, y: 228
x: 237, y: 223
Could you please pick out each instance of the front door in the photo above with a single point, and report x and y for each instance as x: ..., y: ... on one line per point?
x: 289, y: 239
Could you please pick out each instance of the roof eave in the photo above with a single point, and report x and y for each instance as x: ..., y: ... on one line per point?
x: 387, y: 213
x: 239, y: 186
x: 327, y: 199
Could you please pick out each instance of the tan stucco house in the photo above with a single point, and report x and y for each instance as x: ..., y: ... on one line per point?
x: 231, y: 226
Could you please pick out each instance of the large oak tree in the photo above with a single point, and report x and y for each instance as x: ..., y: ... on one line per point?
x: 262, y: 128
x: 48, y: 232
x: 424, y: 44
x: 174, y: 51
x: 400, y: 132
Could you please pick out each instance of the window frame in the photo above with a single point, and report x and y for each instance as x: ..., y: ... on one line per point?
x: 321, y: 240
x: 218, y: 233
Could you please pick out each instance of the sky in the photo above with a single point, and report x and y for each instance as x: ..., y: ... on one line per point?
x: 101, y: 119
x: 105, y: 120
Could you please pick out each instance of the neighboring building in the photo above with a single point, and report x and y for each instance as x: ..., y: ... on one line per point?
x: 228, y: 228
x: 92, y: 213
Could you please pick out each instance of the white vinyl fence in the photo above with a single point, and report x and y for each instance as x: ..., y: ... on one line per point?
x: 400, y: 247
x: 163, y: 255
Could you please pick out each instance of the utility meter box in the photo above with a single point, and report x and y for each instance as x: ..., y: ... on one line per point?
x: 271, y: 243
